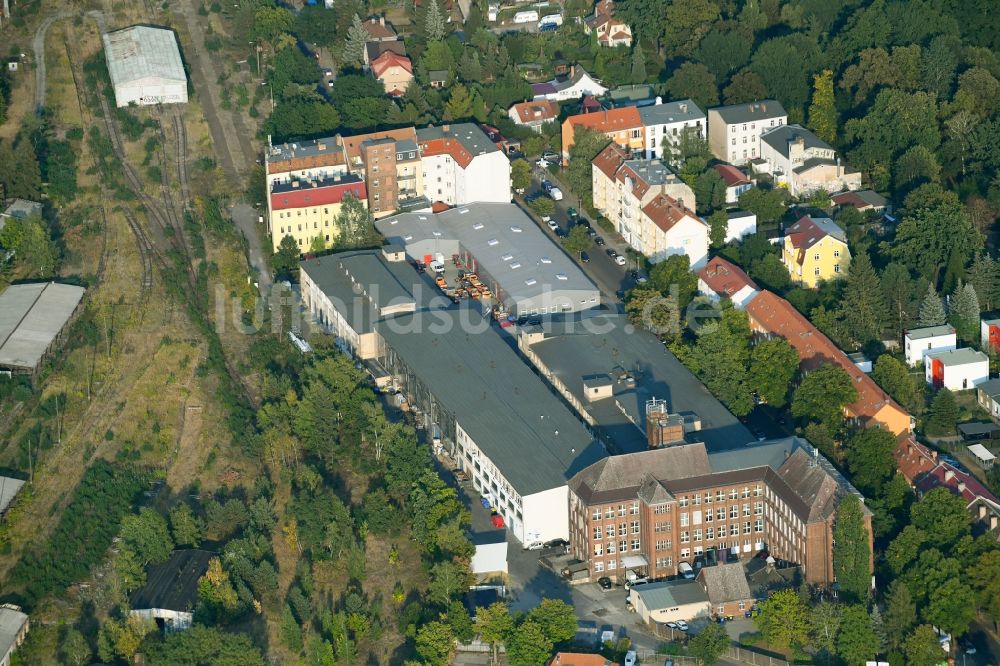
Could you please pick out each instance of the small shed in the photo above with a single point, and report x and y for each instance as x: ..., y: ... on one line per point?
x: 982, y: 455
x: 670, y: 601
x: 979, y: 430
x: 171, y: 590
x: 491, y: 552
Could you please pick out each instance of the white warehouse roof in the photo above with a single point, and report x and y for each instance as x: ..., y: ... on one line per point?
x: 141, y: 54
x: 31, y: 316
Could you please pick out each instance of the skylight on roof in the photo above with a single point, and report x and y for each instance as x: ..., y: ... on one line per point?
x: 436, y: 233
x: 507, y: 257
x: 515, y: 229
x: 561, y: 276
x: 422, y: 217
x: 493, y: 241
x: 515, y: 265
x: 393, y: 221
x: 463, y: 211
x: 546, y: 260
x: 531, y: 281
x: 407, y: 238
x: 478, y: 225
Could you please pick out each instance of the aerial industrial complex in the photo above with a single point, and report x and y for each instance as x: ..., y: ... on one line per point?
x: 145, y: 66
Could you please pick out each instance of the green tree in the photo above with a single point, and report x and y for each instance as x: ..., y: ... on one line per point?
x: 771, y: 272
x: 851, y: 551
x: 543, y: 206
x: 291, y: 632
x: 709, y: 190
x: 695, y: 81
x: 943, y: 414
x: 863, y: 304
x: 217, y: 595
x: 647, y: 308
x: 767, y: 205
x: 147, y: 534
x: 674, y: 273
x: 528, y: 645
x: 286, y: 260
x: 931, y: 309
x: 773, y: 365
x: 685, y: 24
x: 785, y: 65
x: 638, y: 73
x: 822, y: 396
x: 898, y: 291
x: 917, y: 165
x: 355, y: 224
x: 74, y: 648
x: 826, y: 618
x: 746, y: 86
x: 448, y: 579
x: 586, y: 146
x: 720, y: 357
x: 922, y: 647
x: 435, y: 643
x: 856, y: 641
x: 951, y: 606
x: 459, y: 106
x: 316, y: 25
x: 983, y: 278
x: 557, y: 620
x: 892, y: 375
x: 185, y: 526
x: 520, y: 174
x: 900, y: 613
x: 823, y: 111
x: 942, y: 517
x: 985, y: 580
x: 577, y: 240
x: 269, y: 23
x: 926, y: 239
x: 725, y: 49
x: 33, y: 249
x: 434, y: 25
x: 784, y: 619
x: 495, y: 624
x: 964, y: 315
x: 897, y: 120
x: 460, y: 622
x: 718, y: 228
x: 870, y: 459
x: 709, y: 644
x: 354, y: 46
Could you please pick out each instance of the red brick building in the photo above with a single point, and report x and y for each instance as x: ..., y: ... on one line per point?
x: 650, y: 511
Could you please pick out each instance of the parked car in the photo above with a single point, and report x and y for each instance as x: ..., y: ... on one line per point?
x: 598, y: 241
x: 630, y: 657
x: 605, y: 583
x: 685, y: 570
x: 612, y: 252
x: 572, y: 213
x: 682, y: 625
x: 620, y: 259
x: 760, y: 435
x: 546, y: 185
x: 534, y: 545
x: 671, y: 625
x: 556, y: 543
x: 542, y: 164
x: 551, y: 156
x: 584, y: 257
x: 552, y: 223
x: 560, y: 232
x: 556, y: 194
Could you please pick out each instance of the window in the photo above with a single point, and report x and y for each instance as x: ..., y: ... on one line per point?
x: 836, y: 253
x: 734, y: 511
x: 758, y: 525
x: 734, y: 141
x: 723, y: 531
x: 609, y: 512
x: 597, y: 532
x: 708, y: 516
x: 621, y: 509
x: 635, y: 544
x: 746, y: 527
x: 636, y: 133
x: 599, y: 549
x: 612, y: 548
x: 635, y: 509
x: 746, y: 492
x: 708, y: 498
x: 596, y: 515
x: 757, y: 491
x: 720, y: 496
x: 746, y: 509
x: 697, y: 500
x: 758, y: 508
x: 623, y: 530
x: 720, y: 513
x: 836, y: 268
x: 622, y: 546
x: 685, y: 537
x: 684, y: 502
x: 662, y: 544
x: 635, y: 527
x: 664, y: 562
x: 709, y: 533
x: 697, y: 535
x: 684, y: 520
x: 733, y: 493
x: 685, y: 553
x: 816, y: 256
x: 598, y: 567
x: 660, y: 509
x: 612, y: 565
x: 742, y: 605
x: 816, y: 271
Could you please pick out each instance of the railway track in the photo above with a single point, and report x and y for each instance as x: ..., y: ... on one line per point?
x: 181, y: 131
x: 146, y: 252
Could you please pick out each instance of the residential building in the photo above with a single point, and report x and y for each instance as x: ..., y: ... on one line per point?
x: 145, y: 67
x: 799, y: 160
x: 956, y: 369
x: 307, y: 209
x: 394, y: 72
x: 723, y: 279
x: 669, y: 601
x: 989, y: 333
x: 626, y: 386
x: 315, y: 159
x: 34, y: 318
x: 623, y: 126
x: 438, y: 78
x: 391, y: 165
x: 648, y: 512
x: 534, y: 114
x: 574, y: 85
x: 988, y: 395
x: 171, y: 590
x: 815, y: 249
x: 668, y: 123
x: 772, y: 315
x: 14, y: 627
x: 610, y: 31
x: 736, y: 181
x: 734, y: 131
x: 378, y: 30
x: 375, y: 49
x: 919, y: 342
x: 19, y: 209
x: 648, y: 204
x: 740, y: 224
x: 461, y: 165
x: 727, y: 588
x: 511, y: 254
x: 925, y: 471
x: 861, y: 200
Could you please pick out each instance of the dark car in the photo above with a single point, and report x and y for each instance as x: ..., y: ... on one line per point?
x: 546, y: 185
x: 572, y: 213
x: 760, y: 435
x: 584, y: 257
x: 583, y: 221
x: 598, y: 241
x: 612, y: 252
x: 556, y: 543
x: 605, y: 583
x: 560, y: 232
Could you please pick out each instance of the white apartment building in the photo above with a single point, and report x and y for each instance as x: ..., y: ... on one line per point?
x: 919, y: 342
x: 734, y: 131
x: 460, y: 165
x: 800, y: 161
x: 667, y: 122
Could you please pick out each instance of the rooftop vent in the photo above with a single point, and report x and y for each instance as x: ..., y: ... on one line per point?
x: 478, y: 225
x: 516, y: 229
x: 507, y: 257
x: 546, y: 260
x: 515, y: 265
x: 561, y: 276
x: 531, y: 281
x: 493, y: 241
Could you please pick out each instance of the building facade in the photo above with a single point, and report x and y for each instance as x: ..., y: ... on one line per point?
x: 734, y: 131
x: 145, y: 66
x: 670, y: 123
x: 800, y: 161
x: 623, y: 126
x: 308, y: 209
x: 956, y: 369
x: 919, y: 342
x: 648, y: 512
x: 815, y: 249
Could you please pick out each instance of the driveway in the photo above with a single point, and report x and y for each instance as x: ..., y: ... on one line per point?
x: 245, y: 219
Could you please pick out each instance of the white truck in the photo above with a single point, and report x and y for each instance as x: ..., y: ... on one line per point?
x: 551, y: 19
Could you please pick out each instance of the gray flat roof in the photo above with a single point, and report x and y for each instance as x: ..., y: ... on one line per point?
x: 652, y: 172
x: 608, y: 344
x: 532, y: 437
x: 503, y: 239
x: 31, y: 316
x: 360, y: 283
x: 470, y: 135
x: 668, y: 594
x: 930, y: 332
x: 9, y: 487
x: 959, y: 356
x: 297, y: 149
x: 142, y: 52
x: 11, y: 622
x: 990, y: 388
x: 173, y: 585
x: 670, y: 112
x: 779, y: 137
x: 750, y: 111
x: 22, y: 208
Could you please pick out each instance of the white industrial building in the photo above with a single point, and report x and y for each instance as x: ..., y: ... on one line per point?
x: 957, y: 369
x: 919, y: 342
x: 145, y: 66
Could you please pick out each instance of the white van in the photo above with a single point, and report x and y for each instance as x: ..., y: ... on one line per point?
x: 552, y: 19
x: 526, y: 17
x: 437, y: 266
x: 685, y: 570
x: 556, y: 194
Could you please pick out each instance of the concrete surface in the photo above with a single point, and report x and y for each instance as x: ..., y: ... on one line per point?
x: 245, y: 219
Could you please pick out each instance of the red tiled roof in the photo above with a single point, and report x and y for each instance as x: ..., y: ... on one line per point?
x: 538, y: 111
x: 378, y: 30
x: 352, y: 143
x: 448, y: 146
x: 731, y: 175
x: 725, y: 278
x: 850, y: 199
x: 773, y: 314
x: 921, y: 467
x: 388, y: 60
x: 613, y: 120
x: 307, y: 196
x: 439, y: 207
x: 639, y: 184
x: 610, y: 159
x: 578, y: 659
x: 666, y: 212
